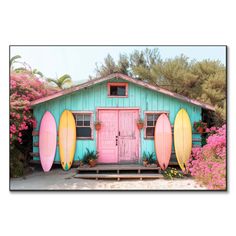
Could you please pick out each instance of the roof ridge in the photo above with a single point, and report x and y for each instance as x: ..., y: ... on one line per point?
x: 127, y: 78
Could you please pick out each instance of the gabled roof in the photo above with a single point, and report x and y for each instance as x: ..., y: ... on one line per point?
x: 127, y: 78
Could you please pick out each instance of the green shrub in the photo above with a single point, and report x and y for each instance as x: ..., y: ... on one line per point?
x: 171, y: 173
x: 17, y: 163
x: 89, y: 155
x: 149, y: 157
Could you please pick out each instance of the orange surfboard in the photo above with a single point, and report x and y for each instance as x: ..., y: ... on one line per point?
x: 67, y: 139
x: 163, y: 141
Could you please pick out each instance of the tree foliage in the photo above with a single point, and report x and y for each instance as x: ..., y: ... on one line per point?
x: 202, y: 80
x: 13, y: 60
x: 61, y: 82
x: 26, y: 85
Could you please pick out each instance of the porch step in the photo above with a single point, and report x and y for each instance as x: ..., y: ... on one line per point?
x: 119, y: 176
x: 138, y: 169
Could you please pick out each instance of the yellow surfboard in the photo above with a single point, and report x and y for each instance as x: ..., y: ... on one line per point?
x: 182, y: 138
x: 67, y: 139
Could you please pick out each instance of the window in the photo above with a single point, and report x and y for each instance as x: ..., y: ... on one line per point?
x: 117, y: 89
x: 150, y: 122
x: 83, y: 125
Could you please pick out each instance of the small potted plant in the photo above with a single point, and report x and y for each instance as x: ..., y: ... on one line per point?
x: 140, y: 124
x: 90, y: 157
x: 97, y: 125
x: 200, y: 126
x: 145, y: 159
x: 148, y: 159
x: 81, y: 163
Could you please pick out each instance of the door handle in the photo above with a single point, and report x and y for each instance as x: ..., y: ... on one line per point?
x: 116, y: 140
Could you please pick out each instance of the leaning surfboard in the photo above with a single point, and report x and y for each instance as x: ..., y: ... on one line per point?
x: 67, y: 139
x: 163, y: 141
x: 47, y: 141
x: 182, y: 138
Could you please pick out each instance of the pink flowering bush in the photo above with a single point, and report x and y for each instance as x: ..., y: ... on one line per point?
x: 208, y: 163
x: 24, y: 88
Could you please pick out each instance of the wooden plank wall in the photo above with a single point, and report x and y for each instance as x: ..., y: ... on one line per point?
x: 91, y: 98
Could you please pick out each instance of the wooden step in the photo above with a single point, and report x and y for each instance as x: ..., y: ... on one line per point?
x: 119, y: 176
x: 107, y: 167
x: 118, y: 168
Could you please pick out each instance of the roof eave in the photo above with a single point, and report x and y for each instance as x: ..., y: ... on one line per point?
x: 127, y: 78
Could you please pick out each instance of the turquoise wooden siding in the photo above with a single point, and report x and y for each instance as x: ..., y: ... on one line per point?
x: 96, y: 96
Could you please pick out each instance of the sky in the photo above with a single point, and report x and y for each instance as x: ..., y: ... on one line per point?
x: 79, y: 61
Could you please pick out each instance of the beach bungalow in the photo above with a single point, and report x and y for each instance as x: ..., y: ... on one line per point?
x: 118, y: 102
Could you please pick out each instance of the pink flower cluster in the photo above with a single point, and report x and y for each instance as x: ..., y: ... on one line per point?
x: 24, y: 87
x: 208, y: 163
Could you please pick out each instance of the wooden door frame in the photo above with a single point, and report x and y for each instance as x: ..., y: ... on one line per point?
x: 120, y: 108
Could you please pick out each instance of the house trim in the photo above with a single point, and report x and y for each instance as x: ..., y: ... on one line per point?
x: 91, y: 124
x: 145, y: 121
x: 109, y: 84
x: 127, y: 78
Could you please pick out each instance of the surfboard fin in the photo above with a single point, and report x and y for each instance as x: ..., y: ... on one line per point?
x: 66, y: 167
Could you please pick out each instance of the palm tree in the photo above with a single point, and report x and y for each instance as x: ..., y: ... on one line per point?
x: 37, y: 72
x: 24, y: 68
x: 13, y: 60
x: 61, y: 81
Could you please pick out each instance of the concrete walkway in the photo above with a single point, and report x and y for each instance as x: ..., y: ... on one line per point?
x: 57, y: 179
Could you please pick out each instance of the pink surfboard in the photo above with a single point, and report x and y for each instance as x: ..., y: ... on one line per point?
x: 163, y: 141
x: 47, y: 141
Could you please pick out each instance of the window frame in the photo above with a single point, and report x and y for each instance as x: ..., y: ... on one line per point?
x: 91, y: 123
x: 145, y: 121
x: 110, y: 84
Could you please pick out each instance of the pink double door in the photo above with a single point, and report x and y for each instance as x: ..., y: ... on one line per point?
x: 118, y: 138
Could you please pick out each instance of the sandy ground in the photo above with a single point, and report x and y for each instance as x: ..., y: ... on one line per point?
x: 58, y: 179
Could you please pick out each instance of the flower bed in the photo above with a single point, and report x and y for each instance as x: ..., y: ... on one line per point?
x: 208, y: 163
